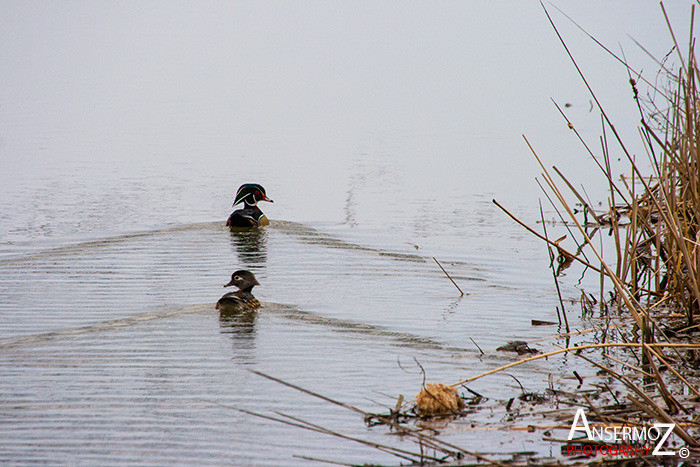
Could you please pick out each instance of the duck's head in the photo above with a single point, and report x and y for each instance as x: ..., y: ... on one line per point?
x: 250, y: 194
x: 243, y: 279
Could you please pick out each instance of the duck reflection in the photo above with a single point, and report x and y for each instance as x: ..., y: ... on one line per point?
x: 240, y: 328
x: 250, y: 246
x: 240, y: 325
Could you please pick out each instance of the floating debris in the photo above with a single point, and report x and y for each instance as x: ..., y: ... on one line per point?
x: 539, y: 322
x: 439, y: 399
x: 520, y: 347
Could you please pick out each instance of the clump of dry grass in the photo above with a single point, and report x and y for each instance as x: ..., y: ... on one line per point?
x: 438, y: 399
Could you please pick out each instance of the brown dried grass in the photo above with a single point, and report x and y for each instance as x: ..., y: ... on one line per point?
x: 438, y: 399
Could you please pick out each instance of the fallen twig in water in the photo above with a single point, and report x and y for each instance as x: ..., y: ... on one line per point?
x: 448, y: 276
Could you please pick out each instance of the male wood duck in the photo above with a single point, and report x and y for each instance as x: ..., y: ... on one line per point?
x: 251, y: 215
x: 242, y: 299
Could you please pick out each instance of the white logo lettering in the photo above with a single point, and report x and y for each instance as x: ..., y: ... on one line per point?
x: 669, y: 428
x: 582, y: 415
x: 606, y: 433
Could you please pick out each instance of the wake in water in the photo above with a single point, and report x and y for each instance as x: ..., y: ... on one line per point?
x: 105, y: 326
x: 300, y: 231
x: 402, y: 339
x: 70, y: 290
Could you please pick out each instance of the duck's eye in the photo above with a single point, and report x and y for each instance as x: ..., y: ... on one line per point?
x: 236, y: 278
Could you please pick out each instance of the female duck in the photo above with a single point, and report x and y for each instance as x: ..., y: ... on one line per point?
x: 242, y: 299
x: 250, y: 216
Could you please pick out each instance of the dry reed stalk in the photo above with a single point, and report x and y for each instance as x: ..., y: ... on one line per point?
x: 630, y: 302
x: 597, y: 412
x: 659, y: 256
x: 562, y: 254
x: 554, y: 273
x: 401, y: 453
x: 448, y: 276
x: 324, y: 461
x: 541, y: 237
x: 671, y: 402
x: 583, y: 202
x: 578, y: 348
x: 623, y: 62
x: 398, y: 452
x: 574, y: 333
x: 553, y: 243
x: 667, y: 219
x: 655, y: 412
x: 649, y: 406
x: 628, y: 365
x: 417, y: 434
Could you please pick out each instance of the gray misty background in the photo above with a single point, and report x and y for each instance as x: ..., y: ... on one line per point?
x: 125, y: 115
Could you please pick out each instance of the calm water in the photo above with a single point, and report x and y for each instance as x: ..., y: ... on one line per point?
x: 382, y: 132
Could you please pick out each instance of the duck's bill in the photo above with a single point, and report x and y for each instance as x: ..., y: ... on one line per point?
x: 229, y: 284
x: 265, y: 198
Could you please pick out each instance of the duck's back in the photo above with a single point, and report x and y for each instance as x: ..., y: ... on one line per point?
x: 237, y: 301
x: 248, y: 217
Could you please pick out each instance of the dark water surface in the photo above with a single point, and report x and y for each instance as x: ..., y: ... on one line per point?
x: 381, y: 130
